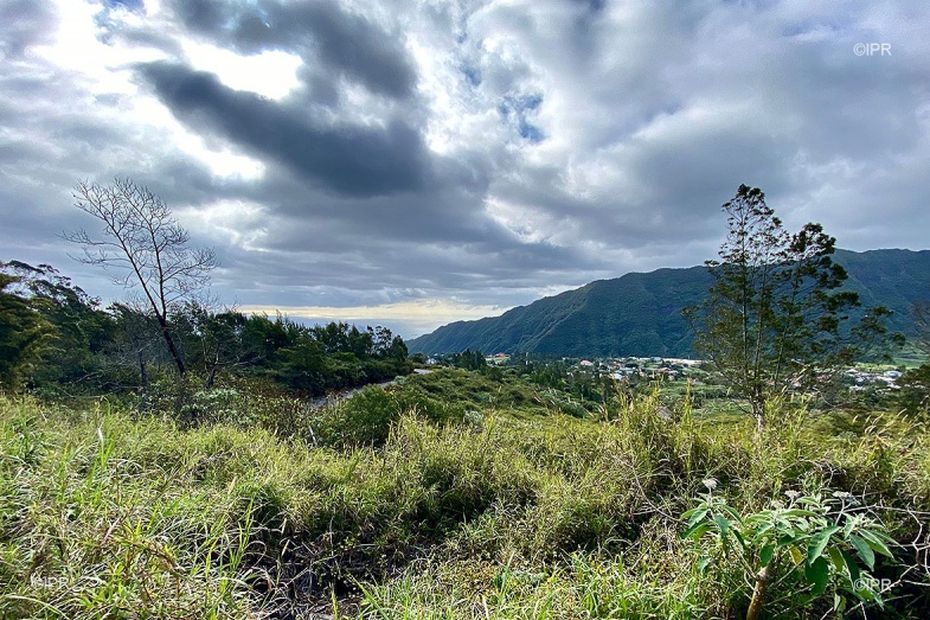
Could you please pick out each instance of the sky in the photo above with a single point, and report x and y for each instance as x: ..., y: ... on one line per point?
x: 416, y: 162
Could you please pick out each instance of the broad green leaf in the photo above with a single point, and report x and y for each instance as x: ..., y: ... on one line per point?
x: 722, y: 524
x: 765, y: 556
x: 730, y: 511
x: 864, y: 550
x: 876, y: 543
x: 851, y: 566
x: 819, y: 543
x: 867, y: 594
x: 739, y: 538
x: 836, y: 556
x: 761, y: 531
x: 697, y: 530
x: 818, y: 573
x: 798, y: 512
x: 696, y: 516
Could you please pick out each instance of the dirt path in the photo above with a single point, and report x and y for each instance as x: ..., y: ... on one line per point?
x: 334, y: 397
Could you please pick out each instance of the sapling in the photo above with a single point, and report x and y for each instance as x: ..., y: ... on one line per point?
x: 821, y: 541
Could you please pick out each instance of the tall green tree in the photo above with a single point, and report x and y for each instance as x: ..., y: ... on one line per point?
x: 914, y: 395
x: 80, y: 328
x: 777, y: 318
x: 24, y: 335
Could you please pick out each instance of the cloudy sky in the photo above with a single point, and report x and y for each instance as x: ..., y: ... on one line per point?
x: 415, y: 162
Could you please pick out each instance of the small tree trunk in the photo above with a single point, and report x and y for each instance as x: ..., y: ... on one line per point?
x: 758, y: 594
x: 143, y: 375
x: 758, y: 410
x: 172, y: 348
x: 212, y: 376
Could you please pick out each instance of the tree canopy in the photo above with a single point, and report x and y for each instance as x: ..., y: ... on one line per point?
x: 777, y: 316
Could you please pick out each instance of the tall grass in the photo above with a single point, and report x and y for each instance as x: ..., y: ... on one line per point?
x: 437, y: 499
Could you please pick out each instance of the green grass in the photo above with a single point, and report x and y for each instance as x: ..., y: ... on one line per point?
x: 451, y: 495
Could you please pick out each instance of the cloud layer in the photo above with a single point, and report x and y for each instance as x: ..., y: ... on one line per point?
x: 463, y: 156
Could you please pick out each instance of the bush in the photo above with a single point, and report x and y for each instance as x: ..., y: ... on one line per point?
x: 363, y: 419
x: 800, y: 546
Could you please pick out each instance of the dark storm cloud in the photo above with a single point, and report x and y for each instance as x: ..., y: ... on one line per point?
x: 346, y: 43
x: 350, y: 159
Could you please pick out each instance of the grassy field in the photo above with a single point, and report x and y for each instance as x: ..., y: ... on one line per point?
x: 451, y: 495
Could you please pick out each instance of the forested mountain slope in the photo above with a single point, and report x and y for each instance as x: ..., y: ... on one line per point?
x: 640, y: 313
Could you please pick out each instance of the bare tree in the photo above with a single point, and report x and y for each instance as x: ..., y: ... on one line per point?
x: 143, y: 247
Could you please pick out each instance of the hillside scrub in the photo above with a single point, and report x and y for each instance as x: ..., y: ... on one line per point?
x: 449, y: 499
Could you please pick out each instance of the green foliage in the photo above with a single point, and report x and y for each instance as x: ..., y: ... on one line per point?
x: 59, y: 340
x: 24, y: 336
x: 804, y: 546
x: 364, y: 419
x: 914, y: 395
x: 449, y: 494
x: 587, y: 385
x: 776, y: 317
x: 468, y: 360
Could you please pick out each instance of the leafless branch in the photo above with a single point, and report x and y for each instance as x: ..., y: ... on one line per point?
x: 142, y: 246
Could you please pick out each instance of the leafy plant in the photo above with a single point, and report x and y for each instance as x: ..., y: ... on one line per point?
x: 817, y: 541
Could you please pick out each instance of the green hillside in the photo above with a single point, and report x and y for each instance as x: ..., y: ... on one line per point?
x: 640, y: 313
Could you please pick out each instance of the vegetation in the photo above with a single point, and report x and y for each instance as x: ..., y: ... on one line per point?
x: 452, y: 494
x: 468, y: 359
x: 23, y: 333
x: 775, y: 319
x: 914, y: 395
x: 811, y: 542
x: 585, y: 384
x: 57, y: 339
x: 144, y: 247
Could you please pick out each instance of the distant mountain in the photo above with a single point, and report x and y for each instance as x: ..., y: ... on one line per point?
x: 640, y: 313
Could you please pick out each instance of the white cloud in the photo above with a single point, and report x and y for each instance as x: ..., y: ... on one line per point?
x: 271, y: 73
x: 229, y: 222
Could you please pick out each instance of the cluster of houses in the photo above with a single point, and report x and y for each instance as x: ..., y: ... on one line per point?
x: 681, y: 368
x: 862, y: 379
x: 498, y: 359
x: 644, y: 367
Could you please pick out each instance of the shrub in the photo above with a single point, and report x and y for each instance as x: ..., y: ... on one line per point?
x: 803, y: 546
x: 363, y: 419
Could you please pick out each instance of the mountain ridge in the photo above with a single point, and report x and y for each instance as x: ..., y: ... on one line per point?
x: 639, y: 313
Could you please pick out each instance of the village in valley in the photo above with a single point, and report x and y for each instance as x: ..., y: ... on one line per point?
x: 632, y: 368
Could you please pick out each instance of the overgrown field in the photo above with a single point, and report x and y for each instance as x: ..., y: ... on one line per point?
x: 451, y: 495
